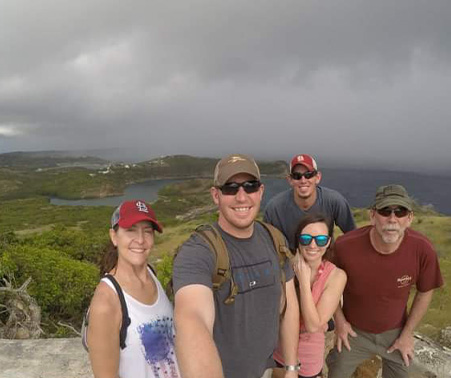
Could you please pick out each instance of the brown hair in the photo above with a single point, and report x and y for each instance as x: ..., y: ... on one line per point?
x: 316, y: 218
x: 110, y: 257
x: 309, y: 219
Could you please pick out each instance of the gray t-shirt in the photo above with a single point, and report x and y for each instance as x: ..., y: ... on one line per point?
x: 245, y: 332
x: 283, y: 213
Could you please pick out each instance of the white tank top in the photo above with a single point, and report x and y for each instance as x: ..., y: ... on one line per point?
x: 149, y: 351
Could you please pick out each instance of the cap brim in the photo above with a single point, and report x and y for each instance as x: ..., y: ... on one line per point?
x: 229, y: 176
x: 308, y: 166
x: 394, y: 202
x: 129, y: 223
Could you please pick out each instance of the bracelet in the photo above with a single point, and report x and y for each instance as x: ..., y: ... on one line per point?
x: 296, y: 367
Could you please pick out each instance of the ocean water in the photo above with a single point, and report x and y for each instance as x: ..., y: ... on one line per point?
x: 357, y: 186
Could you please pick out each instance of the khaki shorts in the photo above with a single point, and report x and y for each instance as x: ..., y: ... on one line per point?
x: 363, y: 347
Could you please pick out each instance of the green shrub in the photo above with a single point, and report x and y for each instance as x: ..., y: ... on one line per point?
x: 77, y: 244
x: 62, y: 286
x: 164, y: 269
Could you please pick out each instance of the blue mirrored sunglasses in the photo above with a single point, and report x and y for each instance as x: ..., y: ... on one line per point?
x: 320, y: 240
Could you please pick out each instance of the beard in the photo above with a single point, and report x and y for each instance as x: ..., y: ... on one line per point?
x: 392, y: 237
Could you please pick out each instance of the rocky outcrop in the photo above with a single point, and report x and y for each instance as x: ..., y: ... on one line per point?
x: 56, y: 358
x: 44, y: 358
x: 432, y: 357
x: 445, y: 337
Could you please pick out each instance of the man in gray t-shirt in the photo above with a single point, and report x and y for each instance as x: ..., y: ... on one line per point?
x: 235, y: 340
x: 286, y: 209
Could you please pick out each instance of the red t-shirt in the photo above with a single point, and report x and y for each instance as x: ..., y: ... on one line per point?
x: 378, y: 286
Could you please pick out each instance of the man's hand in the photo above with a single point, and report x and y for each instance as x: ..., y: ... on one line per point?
x: 405, y: 345
x: 341, y: 333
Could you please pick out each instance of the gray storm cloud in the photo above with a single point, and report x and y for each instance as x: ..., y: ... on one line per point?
x: 367, y: 83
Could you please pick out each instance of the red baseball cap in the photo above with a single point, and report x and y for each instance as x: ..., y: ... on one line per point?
x: 305, y: 160
x: 130, y: 212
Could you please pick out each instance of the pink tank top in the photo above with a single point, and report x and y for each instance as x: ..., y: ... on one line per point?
x: 311, y: 345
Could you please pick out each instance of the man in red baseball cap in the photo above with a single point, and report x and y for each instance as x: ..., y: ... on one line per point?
x: 287, y: 208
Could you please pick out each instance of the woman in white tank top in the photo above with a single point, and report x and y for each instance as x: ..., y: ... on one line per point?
x: 149, y: 344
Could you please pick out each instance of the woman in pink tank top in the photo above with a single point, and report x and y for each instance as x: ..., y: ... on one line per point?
x: 320, y: 286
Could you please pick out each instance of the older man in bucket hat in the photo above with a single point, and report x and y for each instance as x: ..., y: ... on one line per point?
x: 383, y: 261
x: 218, y: 338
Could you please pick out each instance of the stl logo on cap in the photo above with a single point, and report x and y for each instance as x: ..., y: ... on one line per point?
x: 142, y: 207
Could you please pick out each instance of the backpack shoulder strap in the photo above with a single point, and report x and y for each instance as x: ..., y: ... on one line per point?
x: 223, y: 272
x: 283, y: 253
x: 125, y: 318
x: 152, y: 269
x: 278, y: 239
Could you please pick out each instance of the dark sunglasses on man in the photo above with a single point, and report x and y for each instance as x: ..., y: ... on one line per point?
x: 232, y: 188
x: 400, y: 212
x: 298, y: 175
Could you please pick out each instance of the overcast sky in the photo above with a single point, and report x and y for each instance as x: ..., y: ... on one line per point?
x: 368, y: 82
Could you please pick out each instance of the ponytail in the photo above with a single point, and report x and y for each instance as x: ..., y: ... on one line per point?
x: 109, y: 258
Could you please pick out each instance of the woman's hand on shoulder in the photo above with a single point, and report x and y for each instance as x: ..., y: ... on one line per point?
x: 302, y: 269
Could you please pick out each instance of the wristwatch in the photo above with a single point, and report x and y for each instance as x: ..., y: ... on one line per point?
x: 296, y: 367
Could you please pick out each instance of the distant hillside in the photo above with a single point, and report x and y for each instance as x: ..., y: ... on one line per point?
x: 176, y: 166
x: 48, y: 159
x: 24, y: 175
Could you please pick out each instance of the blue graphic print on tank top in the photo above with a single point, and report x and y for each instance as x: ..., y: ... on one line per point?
x: 157, y: 341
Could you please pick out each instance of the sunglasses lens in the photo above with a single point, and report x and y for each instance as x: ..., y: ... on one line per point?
x: 305, y: 239
x: 231, y: 188
x: 385, y: 212
x: 298, y: 175
x: 251, y: 186
x: 310, y: 174
x: 321, y: 240
x: 400, y: 212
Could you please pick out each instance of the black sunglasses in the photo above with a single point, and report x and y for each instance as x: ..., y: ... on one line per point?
x: 307, y: 175
x: 232, y: 188
x: 400, y: 212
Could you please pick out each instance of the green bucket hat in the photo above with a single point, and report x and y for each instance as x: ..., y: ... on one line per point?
x: 392, y: 195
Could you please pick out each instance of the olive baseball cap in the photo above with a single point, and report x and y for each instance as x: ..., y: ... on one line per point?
x: 232, y: 165
x: 392, y: 195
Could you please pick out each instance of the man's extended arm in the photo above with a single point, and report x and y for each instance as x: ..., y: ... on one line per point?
x: 289, y: 329
x: 194, y: 315
x: 405, y: 343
